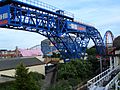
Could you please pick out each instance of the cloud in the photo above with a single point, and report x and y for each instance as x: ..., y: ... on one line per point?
x: 106, y: 17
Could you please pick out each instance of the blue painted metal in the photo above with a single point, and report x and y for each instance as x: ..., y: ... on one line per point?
x: 97, y: 39
x: 76, y: 27
x: 69, y: 37
x: 4, y: 15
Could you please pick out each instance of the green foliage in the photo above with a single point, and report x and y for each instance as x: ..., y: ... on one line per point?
x: 61, y: 85
x: 91, y: 51
x: 37, y: 78
x: 66, y: 71
x: 24, y: 81
x: 7, y: 86
x: 93, y: 60
x: 75, y: 71
x: 95, y: 63
x: 73, y: 82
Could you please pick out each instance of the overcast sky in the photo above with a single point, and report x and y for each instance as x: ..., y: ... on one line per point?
x: 103, y: 14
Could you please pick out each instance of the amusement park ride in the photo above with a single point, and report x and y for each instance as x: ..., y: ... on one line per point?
x: 55, y: 24
x: 60, y: 28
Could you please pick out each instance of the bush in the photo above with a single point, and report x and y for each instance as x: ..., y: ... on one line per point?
x: 61, y: 85
x: 75, y: 71
x: 38, y: 78
x: 24, y: 81
x: 7, y: 86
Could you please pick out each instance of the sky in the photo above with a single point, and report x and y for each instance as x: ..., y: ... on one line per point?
x: 102, y: 14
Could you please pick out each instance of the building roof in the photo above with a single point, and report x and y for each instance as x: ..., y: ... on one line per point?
x: 7, y: 64
x: 31, y: 52
x: 3, y: 50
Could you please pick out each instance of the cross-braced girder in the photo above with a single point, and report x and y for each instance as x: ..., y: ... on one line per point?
x: 69, y: 37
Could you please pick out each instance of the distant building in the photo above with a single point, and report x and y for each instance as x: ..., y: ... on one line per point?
x: 29, y: 53
x: 8, y: 66
x: 7, y: 53
x: 47, y: 47
x: 20, y: 53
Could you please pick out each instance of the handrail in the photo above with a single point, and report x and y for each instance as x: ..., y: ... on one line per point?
x: 38, y: 3
x: 96, y: 78
x: 110, y: 84
x: 102, y: 76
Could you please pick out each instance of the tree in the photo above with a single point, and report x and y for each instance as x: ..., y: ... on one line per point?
x: 95, y: 64
x: 61, y: 85
x: 75, y: 72
x: 91, y: 51
x: 38, y: 78
x: 23, y: 79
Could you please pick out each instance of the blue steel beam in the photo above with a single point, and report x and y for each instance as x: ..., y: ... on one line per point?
x: 97, y: 39
x: 69, y: 37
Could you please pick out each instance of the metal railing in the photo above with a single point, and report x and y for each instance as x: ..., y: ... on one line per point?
x: 43, y: 5
x: 112, y: 82
x: 99, y: 79
x: 117, y: 84
x: 78, y: 20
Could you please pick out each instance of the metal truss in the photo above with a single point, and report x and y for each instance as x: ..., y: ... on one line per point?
x: 97, y: 39
x: 70, y: 42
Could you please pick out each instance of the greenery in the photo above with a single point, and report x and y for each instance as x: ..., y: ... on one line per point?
x: 61, y: 85
x: 24, y: 80
x: 91, y: 51
x: 69, y: 75
x: 75, y: 72
x: 75, y: 69
x: 38, y: 78
x: 7, y: 86
x: 95, y: 64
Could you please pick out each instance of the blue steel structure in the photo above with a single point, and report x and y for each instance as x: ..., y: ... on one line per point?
x: 55, y: 24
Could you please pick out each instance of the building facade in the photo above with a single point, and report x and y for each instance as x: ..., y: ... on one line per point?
x: 20, y: 53
x: 8, y: 66
x: 47, y: 47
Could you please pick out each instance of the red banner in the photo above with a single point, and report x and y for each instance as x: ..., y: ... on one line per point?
x: 3, y: 22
